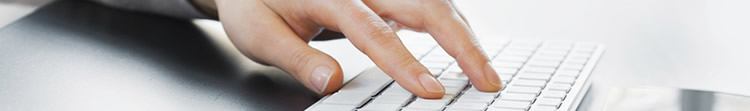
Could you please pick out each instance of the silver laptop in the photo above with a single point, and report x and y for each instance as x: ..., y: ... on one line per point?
x: 537, y: 76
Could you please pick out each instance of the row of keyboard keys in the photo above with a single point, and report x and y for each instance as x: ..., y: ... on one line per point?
x: 517, y: 105
x: 420, y: 104
x: 533, y: 78
x: 538, y: 76
x: 345, y: 100
x: 356, y: 93
x: 381, y: 107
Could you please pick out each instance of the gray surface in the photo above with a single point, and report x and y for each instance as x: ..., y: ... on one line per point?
x: 667, y: 99
x: 75, y: 55
x: 15, y: 9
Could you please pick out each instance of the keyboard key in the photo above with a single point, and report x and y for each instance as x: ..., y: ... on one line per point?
x: 579, y: 56
x: 548, y: 102
x: 518, y: 52
x: 445, y: 100
x: 422, y: 109
x: 529, y: 83
x: 503, y: 109
x: 505, y: 78
x: 542, y: 108
x: 559, y: 87
x: 563, y: 80
x: 369, y: 82
x: 504, y: 64
x: 517, y: 97
x: 454, y: 68
x: 552, y: 94
x: 575, y: 61
x: 466, y: 107
x: 436, y: 64
x: 391, y: 99
x: 510, y: 58
x: 430, y: 104
x: 535, y: 76
x: 475, y: 99
x: 454, y: 76
x: 453, y: 90
x: 572, y: 66
x: 540, y: 69
x: 511, y: 71
x: 552, y: 52
x: 525, y: 43
x: 453, y: 83
x: 540, y: 58
x: 331, y: 107
x: 546, y: 64
x: 347, y: 98
x: 419, y: 51
x: 567, y: 73
x: 395, y: 89
x: 524, y: 89
x: 475, y: 91
x: 512, y: 105
x: 380, y: 107
x: 435, y: 71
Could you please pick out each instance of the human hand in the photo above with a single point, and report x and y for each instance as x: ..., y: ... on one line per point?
x: 276, y: 32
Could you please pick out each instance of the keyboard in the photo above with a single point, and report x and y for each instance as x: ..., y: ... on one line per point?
x: 537, y: 76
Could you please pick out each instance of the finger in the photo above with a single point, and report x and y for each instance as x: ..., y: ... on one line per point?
x: 452, y: 33
x: 371, y: 35
x: 461, y: 15
x: 276, y: 44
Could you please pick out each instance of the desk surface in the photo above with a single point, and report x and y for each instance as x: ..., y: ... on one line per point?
x: 74, y: 55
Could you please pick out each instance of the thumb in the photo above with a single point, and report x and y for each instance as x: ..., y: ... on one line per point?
x: 316, y: 70
x: 268, y: 39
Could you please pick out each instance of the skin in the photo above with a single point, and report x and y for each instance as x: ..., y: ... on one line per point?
x: 276, y: 32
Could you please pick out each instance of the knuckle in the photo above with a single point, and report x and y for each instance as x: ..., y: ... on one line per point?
x: 407, y: 65
x: 299, y: 58
x: 438, y: 3
x: 474, y: 55
x: 382, y: 35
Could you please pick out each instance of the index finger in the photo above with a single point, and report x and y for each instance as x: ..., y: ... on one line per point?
x: 371, y: 35
x: 451, y: 31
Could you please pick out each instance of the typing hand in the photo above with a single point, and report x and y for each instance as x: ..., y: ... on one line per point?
x: 276, y: 32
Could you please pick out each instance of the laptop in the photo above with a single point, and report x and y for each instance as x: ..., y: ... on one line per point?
x: 538, y: 75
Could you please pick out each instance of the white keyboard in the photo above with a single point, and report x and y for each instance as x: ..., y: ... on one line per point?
x: 537, y: 75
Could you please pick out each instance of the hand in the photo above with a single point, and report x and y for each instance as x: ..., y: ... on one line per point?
x: 276, y: 32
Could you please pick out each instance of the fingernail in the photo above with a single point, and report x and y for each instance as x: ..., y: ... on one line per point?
x: 491, y: 76
x: 319, y: 78
x: 430, y: 84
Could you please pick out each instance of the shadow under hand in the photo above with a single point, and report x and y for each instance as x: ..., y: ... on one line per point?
x: 150, y: 61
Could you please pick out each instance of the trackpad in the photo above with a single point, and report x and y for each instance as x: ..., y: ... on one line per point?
x: 667, y: 99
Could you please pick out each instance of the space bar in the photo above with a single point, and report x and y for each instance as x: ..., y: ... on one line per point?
x: 370, y: 81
